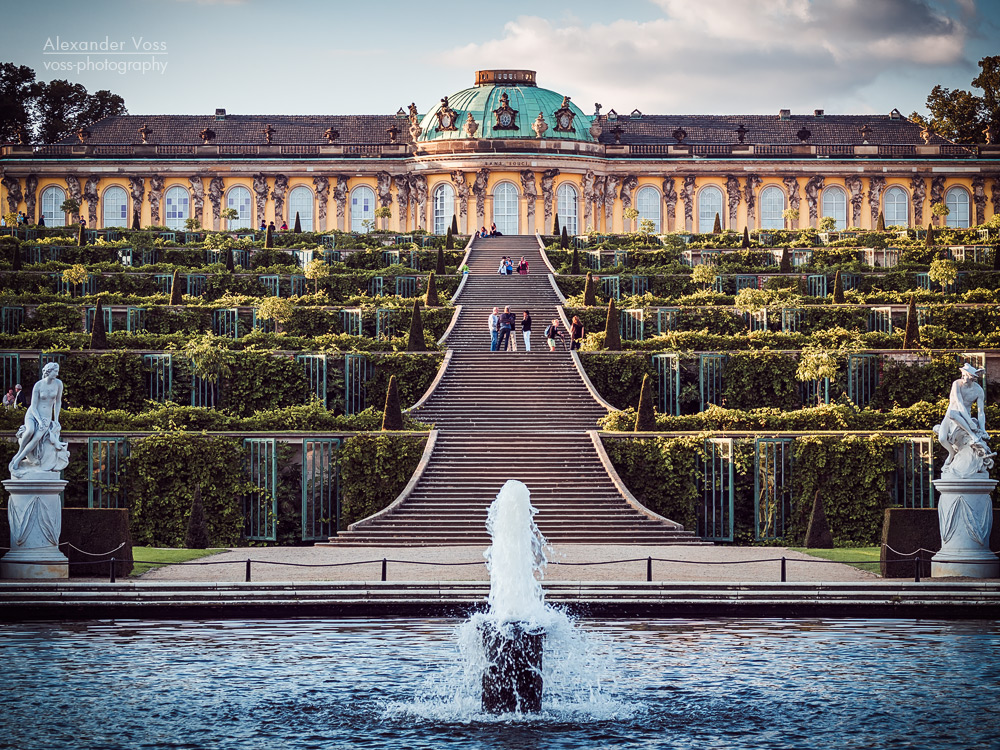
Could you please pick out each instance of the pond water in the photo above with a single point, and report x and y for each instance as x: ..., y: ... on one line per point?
x: 315, y: 683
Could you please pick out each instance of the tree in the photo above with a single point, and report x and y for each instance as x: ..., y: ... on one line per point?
x: 439, y: 266
x: 75, y: 274
x: 70, y: 206
x: 135, y: 222
x: 229, y: 214
x: 431, y: 297
x: 99, y: 331
x: 297, y: 229
x: 384, y: 213
x: 449, y: 241
x: 746, y: 238
x: 827, y: 224
x: 191, y: 224
x: 589, y: 291
x: 911, y: 336
x: 943, y: 272
x: 64, y: 108
x: 989, y: 81
x: 574, y: 266
x: 785, y: 264
x: 175, y: 289
x: 564, y: 240
x: 631, y: 214
x: 269, y: 236
x: 791, y: 216
x: 962, y: 116
x: 838, y: 289
x: 392, y: 414
x: 197, y: 528
x: 230, y: 261
x: 415, y: 341
x: 816, y: 365
x: 717, y: 226
x: 645, y: 418
x: 454, y: 224
x: 880, y: 224
x: 18, y: 94
x: 318, y: 270
x: 704, y: 274
x: 277, y: 309
x: 555, y: 225
x: 940, y: 212
x: 929, y: 237
x: 612, y: 333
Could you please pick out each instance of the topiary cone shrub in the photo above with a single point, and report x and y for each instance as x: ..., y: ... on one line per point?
x: 880, y: 224
x: 746, y: 238
x: 15, y: 256
x: 818, y: 534
x: 439, y: 266
x: 99, y: 332
x: 135, y: 222
x: 785, y: 265
x: 564, y: 241
x: 929, y: 237
x: 612, y: 334
x: 911, y: 336
x: 392, y: 417
x: 431, y: 298
x: 269, y: 236
x: 80, y: 241
x: 454, y: 224
x: 297, y: 229
x: 175, y: 289
x: 574, y: 267
x: 197, y: 527
x: 449, y: 244
x: 838, y: 289
x: 996, y: 257
x: 415, y: 341
x: 717, y: 227
x: 230, y: 260
x: 555, y: 226
x: 645, y: 418
x: 589, y: 291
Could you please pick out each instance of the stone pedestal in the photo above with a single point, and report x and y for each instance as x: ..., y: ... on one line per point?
x: 35, y: 513
x: 512, y: 680
x: 965, y: 513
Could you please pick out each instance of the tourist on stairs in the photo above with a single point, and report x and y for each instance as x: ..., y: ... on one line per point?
x: 552, y: 333
x: 522, y: 267
x: 494, y: 328
x: 506, y: 323
x: 575, y: 333
x: 526, y: 330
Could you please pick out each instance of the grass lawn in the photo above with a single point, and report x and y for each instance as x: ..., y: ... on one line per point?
x: 857, y: 557
x: 157, y: 557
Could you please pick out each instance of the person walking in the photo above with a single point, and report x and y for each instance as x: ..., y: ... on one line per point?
x: 552, y: 333
x: 494, y: 328
x: 526, y: 330
x: 522, y: 267
x: 506, y: 323
x: 575, y: 333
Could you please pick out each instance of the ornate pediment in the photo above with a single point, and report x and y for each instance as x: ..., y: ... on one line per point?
x: 564, y: 117
x: 446, y: 117
x: 505, y: 117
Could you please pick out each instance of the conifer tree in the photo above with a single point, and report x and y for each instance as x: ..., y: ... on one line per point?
x: 589, y: 291
x: 449, y: 240
x: 564, y: 239
x: 392, y: 415
x: 269, y: 236
x: 197, y: 527
x: 929, y: 237
x: 880, y: 224
x: 838, y: 289
x: 746, y: 238
x: 175, y: 289
x: 911, y: 336
x: 785, y: 265
x: 230, y: 260
x: 645, y: 418
x: 717, y: 227
x: 135, y: 222
x: 415, y: 341
x: 574, y: 267
x: 15, y: 258
x: 98, y: 331
x: 439, y: 265
x: 431, y: 298
x: 297, y: 229
x: 454, y: 224
x: 80, y: 241
x: 555, y: 226
x: 818, y: 535
x: 612, y: 333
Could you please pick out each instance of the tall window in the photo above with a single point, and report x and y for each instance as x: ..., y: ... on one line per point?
x: 505, y: 208
x: 567, y: 200
x: 444, y: 207
x: 647, y: 203
x: 362, y: 207
x: 835, y: 205
x: 709, y: 204
x: 300, y: 201
x: 115, y: 208
x: 895, y: 208
x: 957, y: 201
x: 52, y: 199
x: 772, y: 205
x: 239, y: 198
x: 177, y: 208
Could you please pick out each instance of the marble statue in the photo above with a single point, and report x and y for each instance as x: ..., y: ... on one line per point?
x: 30, y: 194
x: 418, y: 195
x: 39, y: 447
x: 278, y: 193
x: 670, y: 200
x: 198, y: 197
x: 687, y: 195
x: 855, y: 187
x: 93, y: 197
x: 155, y: 193
x: 752, y: 185
x: 611, y: 182
x: 137, y: 187
x: 383, y: 189
x: 813, y: 187
x: 979, y: 197
x: 216, y: 188
x: 471, y: 126
x: 965, y: 510
x: 415, y: 129
x: 402, y: 198
x: 629, y: 184
x: 260, y: 193
x: 462, y: 191
x: 479, y: 190
x: 876, y: 184
x: 598, y: 200
x: 322, y: 185
x: 733, y: 193
x: 73, y: 188
x: 13, y: 187
x: 918, y: 187
x: 340, y: 194
x: 589, y: 180
x: 548, y: 193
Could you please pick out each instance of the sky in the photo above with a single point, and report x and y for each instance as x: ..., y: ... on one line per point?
x: 374, y: 56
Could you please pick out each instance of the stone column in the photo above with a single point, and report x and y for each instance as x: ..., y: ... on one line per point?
x: 965, y: 513
x: 35, y: 515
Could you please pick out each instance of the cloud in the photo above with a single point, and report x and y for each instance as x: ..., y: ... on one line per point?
x: 729, y: 55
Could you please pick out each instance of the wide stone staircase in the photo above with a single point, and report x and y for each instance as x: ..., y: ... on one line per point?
x: 512, y: 415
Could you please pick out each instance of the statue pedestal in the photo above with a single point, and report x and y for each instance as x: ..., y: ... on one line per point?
x: 35, y: 513
x: 965, y: 513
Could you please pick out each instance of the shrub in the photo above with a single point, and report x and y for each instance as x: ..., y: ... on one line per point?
x: 431, y: 297
x: 838, y: 289
x: 911, y: 336
x: 612, y: 333
x: 197, y: 528
x: 374, y: 469
x: 392, y: 415
x: 99, y: 331
x: 589, y: 291
x: 415, y: 340
x: 645, y: 420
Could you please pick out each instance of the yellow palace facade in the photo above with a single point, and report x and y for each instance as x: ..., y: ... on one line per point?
x: 509, y: 152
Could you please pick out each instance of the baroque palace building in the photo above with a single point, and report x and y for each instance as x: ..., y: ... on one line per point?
x: 506, y: 151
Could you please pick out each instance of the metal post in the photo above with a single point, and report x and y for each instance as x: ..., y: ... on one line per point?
x: 649, y: 569
x: 248, y: 570
x: 385, y: 564
x: 782, y: 570
x: 112, y: 577
x: 916, y: 567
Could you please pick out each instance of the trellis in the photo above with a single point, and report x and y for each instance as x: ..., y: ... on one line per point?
x: 632, y: 324
x: 260, y: 505
x: 710, y: 368
x: 717, y: 488
x: 314, y: 368
x: 668, y: 381
x: 226, y: 322
x: 355, y: 376
x: 159, y: 376
x: 320, y: 488
x: 772, y: 486
x: 106, y: 459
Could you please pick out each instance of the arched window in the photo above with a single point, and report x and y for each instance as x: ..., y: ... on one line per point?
x: 957, y: 201
x: 444, y: 207
x: 647, y: 203
x: 505, y: 208
x: 362, y: 208
x: 239, y: 198
x: 895, y: 208
x: 300, y: 201
x: 709, y: 204
x: 567, y: 200
x: 177, y: 208
x: 772, y: 205
x: 835, y: 205
x: 115, y: 202
x: 52, y: 199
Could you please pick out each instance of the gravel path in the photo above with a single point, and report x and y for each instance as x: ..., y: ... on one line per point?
x: 687, y: 570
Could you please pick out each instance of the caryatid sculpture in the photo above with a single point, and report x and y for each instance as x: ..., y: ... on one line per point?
x: 39, y: 446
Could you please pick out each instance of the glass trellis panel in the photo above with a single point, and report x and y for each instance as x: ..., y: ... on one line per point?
x: 406, y: 286
x: 567, y: 199
x: 668, y: 379
x: 160, y: 376
x: 505, y: 208
x: 320, y: 488
x: 709, y: 204
x: 640, y: 285
x: 718, y: 491
x: 260, y: 505
x: 880, y: 320
x: 332, y: 256
x: 710, y: 379
x: 190, y: 237
x: 710, y: 257
x: 239, y: 198
x: 362, y: 208
x: 195, y: 285
x: 162, y: 282
x: 385, y: 323
x: 647, y: 203
x: 226, y: 323
x: 772, y: 204
x: 271, y: 284
x: 302, y: 257
x: 248, y: 237
x: 444, y: 207
x: 816, y: 284
x: 772, y: 486
x: 914, y: 472
x: 376, y: 286
x: 298, y: 285
x: 91, y: 312
x: 632, y: 324
x: 300, y: 201
x: 801, y: 257
x: 11, y: 319
x: 611, y: 287
x: 215, y: 256
x: 390, y: 257
x: 717, y: 285
x: 106, y: 458
x: 743, y: 281
x: 835, y: 204
x: 115, y: 207
x: 355, y: 376
x: 10, y: 367
x: 815, y: 392
x: 594, y: 260
x: 667, y: 319
x: 314, y: 367
x: 756, y: 320
x: 957, y: 201
x: 862, y: 378
x: 791, y: 319
x: 621, y: 258
x: 350, y: 320
x: 204, y: 391
x: 177, y: 208
x: 404, y: 239
x: 87, y: 288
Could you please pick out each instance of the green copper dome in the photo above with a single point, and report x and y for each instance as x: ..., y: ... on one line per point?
x: 493, y: 102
